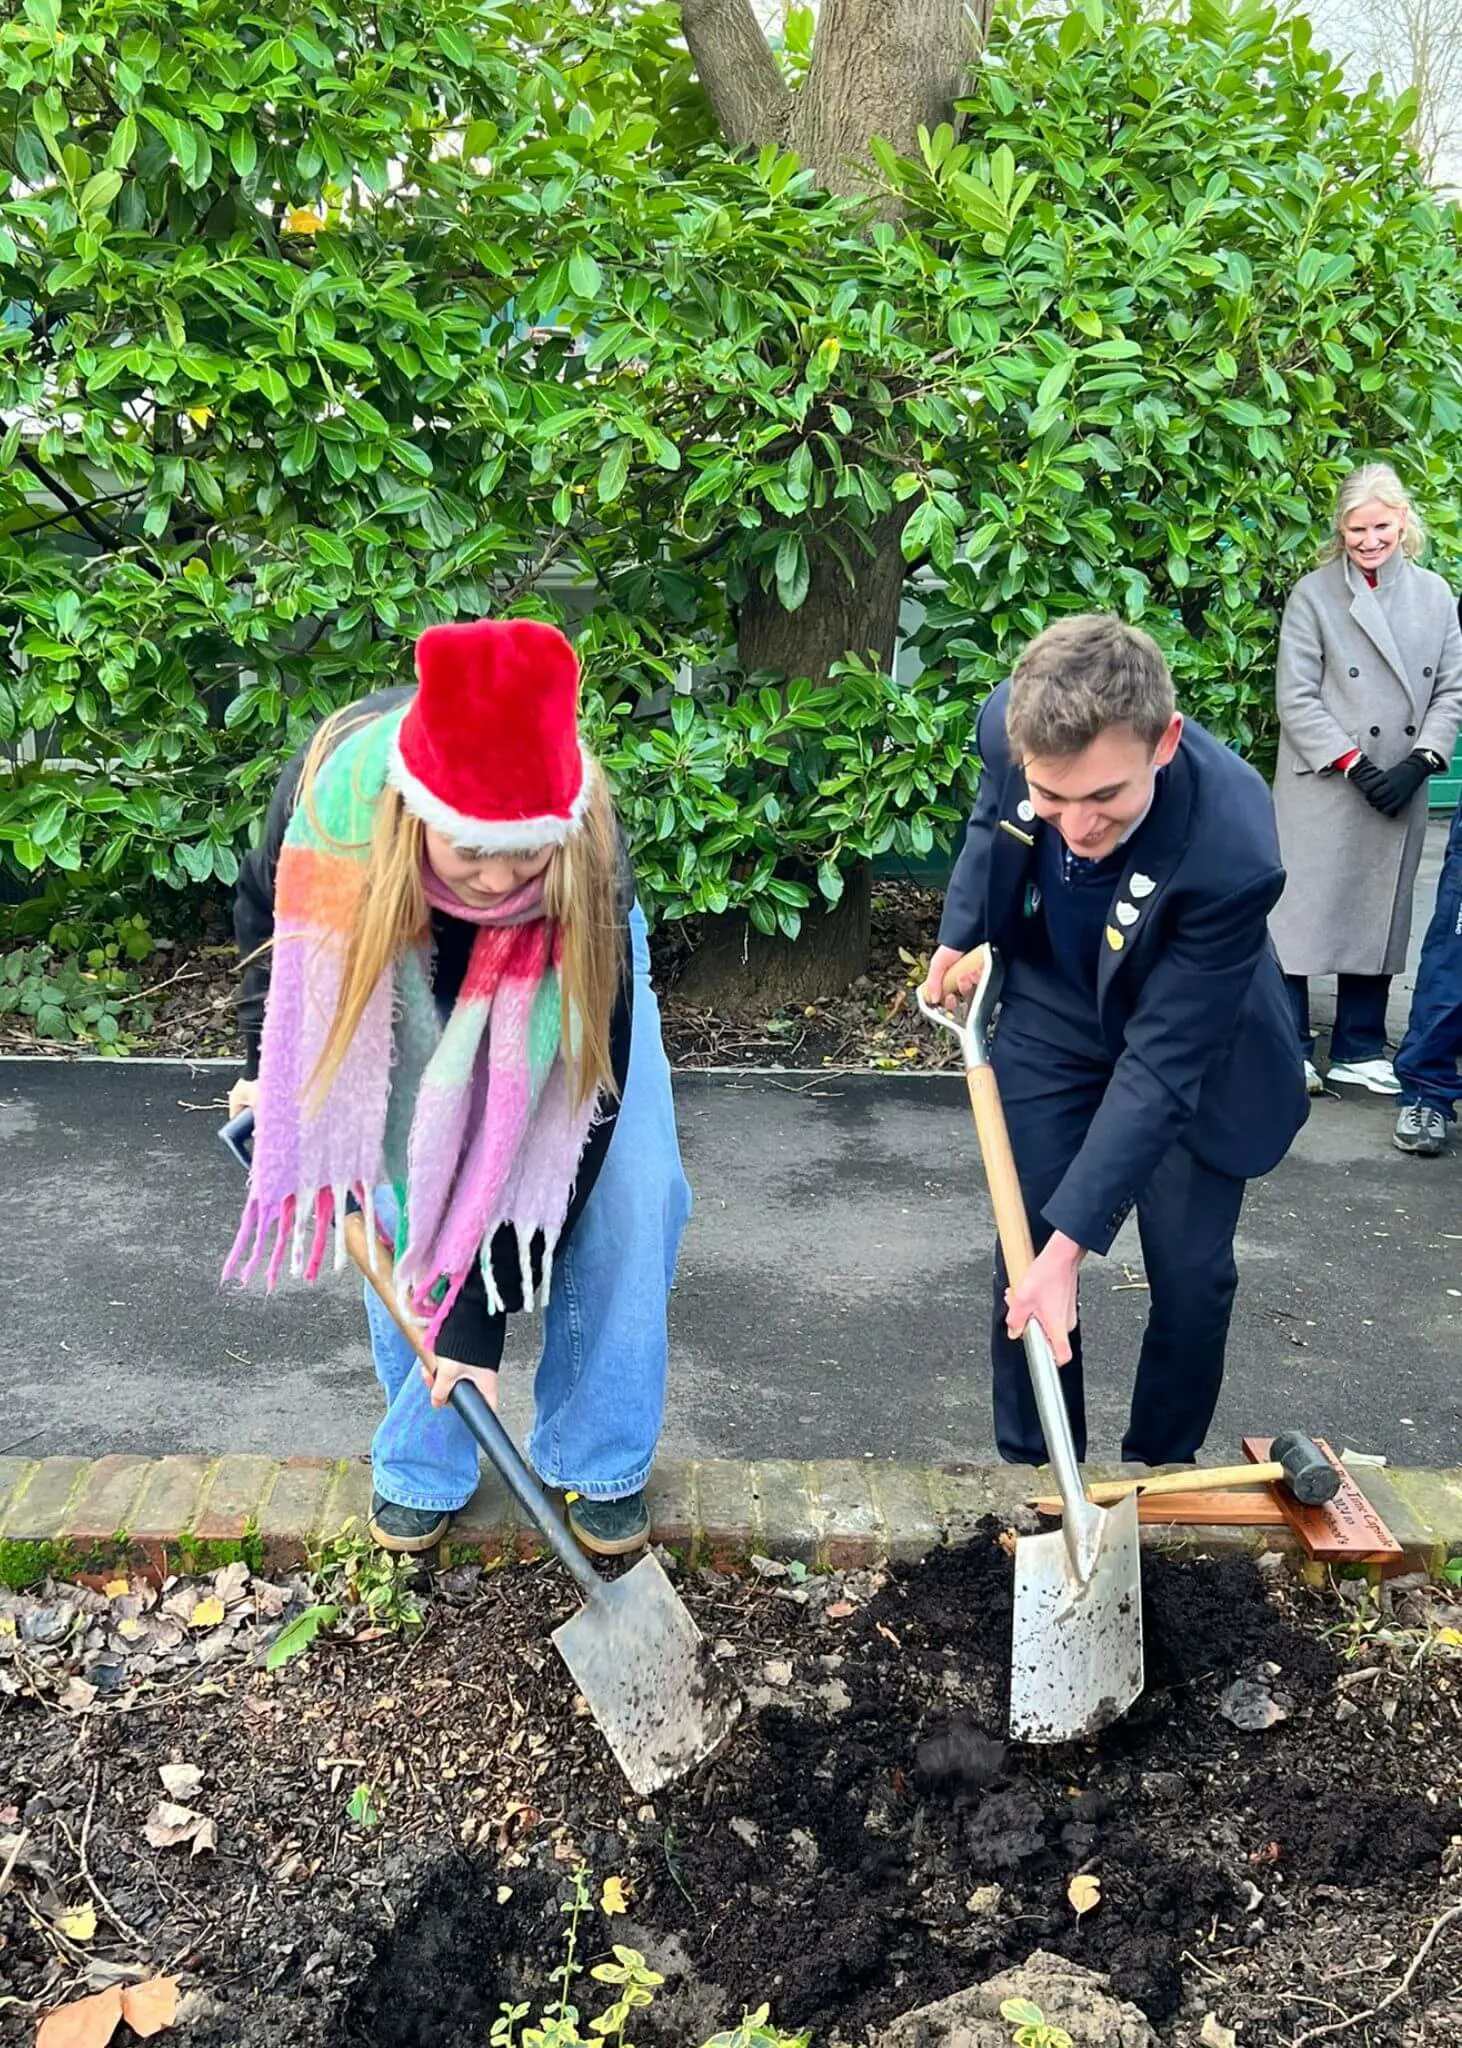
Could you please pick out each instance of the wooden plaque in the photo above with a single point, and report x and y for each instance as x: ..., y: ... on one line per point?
x: 1347, y: 1530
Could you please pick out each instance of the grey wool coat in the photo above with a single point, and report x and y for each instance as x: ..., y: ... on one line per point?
x: 1380, y: 670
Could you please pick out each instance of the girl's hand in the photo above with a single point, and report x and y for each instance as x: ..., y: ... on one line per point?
x: 443, y: 1374
x: 243, y: 1095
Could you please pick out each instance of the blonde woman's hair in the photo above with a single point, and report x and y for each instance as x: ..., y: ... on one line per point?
x: 581, y: 894
x: 1376, y: 480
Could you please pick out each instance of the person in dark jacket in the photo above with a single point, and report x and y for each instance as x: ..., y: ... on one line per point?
x: 448, y: 1022
x: 1124, y: 865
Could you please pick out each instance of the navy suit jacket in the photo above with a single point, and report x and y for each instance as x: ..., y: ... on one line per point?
x: 1192, y: 1009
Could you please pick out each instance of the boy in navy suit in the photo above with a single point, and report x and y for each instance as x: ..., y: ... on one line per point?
x: 1124, y: 865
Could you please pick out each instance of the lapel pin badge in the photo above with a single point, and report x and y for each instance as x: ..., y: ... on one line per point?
x: 1115, y: 939
x: 1142, y: 885
x: 1128, y: 914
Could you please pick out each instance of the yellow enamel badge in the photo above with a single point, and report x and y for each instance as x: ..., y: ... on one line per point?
x: 1115, y: 939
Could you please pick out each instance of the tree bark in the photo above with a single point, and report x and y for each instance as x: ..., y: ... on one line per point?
x: 879, y: 68
x: 747, y: 91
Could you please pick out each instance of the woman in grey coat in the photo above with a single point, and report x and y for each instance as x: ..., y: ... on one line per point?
x: 1369, y: 694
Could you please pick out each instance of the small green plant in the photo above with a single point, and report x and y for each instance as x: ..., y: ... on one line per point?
x: 362, y: 1807
x: 1032, y: 2029
x: 297, y: 1635
x: 72, y: 995
x: 351, y: 1571
x: 357, y: 1571
x: 1452, y: 1572
x: 636, y: 1984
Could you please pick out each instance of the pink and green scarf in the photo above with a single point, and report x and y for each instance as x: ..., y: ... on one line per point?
x: 470, y: 1121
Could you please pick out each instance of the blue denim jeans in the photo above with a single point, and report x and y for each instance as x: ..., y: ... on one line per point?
x: 599, y: 1393
x: 1426, y: 1063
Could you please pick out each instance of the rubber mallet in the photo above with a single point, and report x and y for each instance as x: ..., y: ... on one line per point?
x: 1296, y: 1463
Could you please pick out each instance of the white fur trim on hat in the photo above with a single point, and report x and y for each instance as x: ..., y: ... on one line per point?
x: 487, y: 835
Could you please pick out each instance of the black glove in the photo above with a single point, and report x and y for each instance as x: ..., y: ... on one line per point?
x: 1368, y: 779
x: 1394, y: 788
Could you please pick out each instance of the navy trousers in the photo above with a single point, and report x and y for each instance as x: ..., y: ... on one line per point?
x: 1186, y: 1218
x: 1426, y: 1064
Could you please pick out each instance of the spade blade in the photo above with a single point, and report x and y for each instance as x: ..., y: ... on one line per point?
x: 1076, y: 1647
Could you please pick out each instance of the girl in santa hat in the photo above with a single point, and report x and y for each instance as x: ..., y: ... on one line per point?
x: 448, y: 1019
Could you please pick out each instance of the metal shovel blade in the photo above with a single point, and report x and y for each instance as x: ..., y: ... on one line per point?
x: 650, y: 1681
x: 1076, y: 1650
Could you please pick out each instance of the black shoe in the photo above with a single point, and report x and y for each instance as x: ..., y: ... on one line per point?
x: 610, y: 1528
x: 1421, y: 1130
x: 407, y: 1531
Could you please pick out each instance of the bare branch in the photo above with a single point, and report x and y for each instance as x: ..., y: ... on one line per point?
x: 750, y: 97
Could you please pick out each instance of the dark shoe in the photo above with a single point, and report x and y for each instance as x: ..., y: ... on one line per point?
x: 1421, y: 1130
x: 610, y: 1528
x: 407, y: 1531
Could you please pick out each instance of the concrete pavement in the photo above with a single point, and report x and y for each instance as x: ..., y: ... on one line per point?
x: 832, y: 1299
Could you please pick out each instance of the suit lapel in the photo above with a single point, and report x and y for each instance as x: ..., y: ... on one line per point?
x: 1367, y: 611
x: 1154, y: 851
x: 1012, y: 853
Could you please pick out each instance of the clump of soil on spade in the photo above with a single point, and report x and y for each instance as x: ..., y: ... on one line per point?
x: 867, y: 1842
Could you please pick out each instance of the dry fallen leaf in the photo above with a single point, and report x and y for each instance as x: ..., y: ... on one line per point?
x: 114, y: 1588
x: 1215, y: 2034
x: 840, y: 1610
x: 1452, y: 1637
x: 612, y: 1899
x: 231, y: 1582
x: 1084, y: 1892
x: 889, y: 1636
x: 504, y: 1893
x: 79, y: 1924
x: 168, y: 1824
x: 148, y: 2008
x: 85, y: 2023
x: 180, y: 1781
x: 208, y: 1613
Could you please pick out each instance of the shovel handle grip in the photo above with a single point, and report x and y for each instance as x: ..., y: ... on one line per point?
x: 1011, y: 1221
x: 467, y: 1401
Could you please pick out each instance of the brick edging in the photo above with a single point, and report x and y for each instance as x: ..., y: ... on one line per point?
x: 178, y: 1513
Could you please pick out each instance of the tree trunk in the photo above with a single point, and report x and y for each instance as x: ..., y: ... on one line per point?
x: 738, y: 968
x: 879, y: 68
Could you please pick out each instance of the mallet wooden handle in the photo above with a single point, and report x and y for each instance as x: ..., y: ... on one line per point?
x: 1202, y: 1479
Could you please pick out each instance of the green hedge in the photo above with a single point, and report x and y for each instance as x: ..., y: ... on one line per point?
x: 268, y: 278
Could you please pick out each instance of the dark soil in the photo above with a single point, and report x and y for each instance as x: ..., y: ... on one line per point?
x: 867, y: 1841
x: 190, y: 987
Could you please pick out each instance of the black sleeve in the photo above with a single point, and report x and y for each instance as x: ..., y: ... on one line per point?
x: 1185, y: 1017
x: 962, y: 921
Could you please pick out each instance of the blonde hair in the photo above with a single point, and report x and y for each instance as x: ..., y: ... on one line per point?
x: 1378, y: 481
x: 581, y: 894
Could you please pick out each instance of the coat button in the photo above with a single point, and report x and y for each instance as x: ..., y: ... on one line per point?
x: 1375, y: 732
x: 1426, y: 671
x: 1355, y: 671
x: 1411, y: 732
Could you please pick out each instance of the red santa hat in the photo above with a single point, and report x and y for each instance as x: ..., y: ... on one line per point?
x: 489, y: 753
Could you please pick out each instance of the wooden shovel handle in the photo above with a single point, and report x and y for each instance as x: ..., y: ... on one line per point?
x: 379, y: 1277
x: 952, y: 973
x: 1006, y: 1200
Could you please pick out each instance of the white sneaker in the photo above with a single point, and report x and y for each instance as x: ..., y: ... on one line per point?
x: 1313, y: 1084
x: 1376, y: 1076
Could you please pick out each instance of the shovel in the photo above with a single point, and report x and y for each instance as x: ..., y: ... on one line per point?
x: 632, y: 1650
x: 1076, y: 1647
